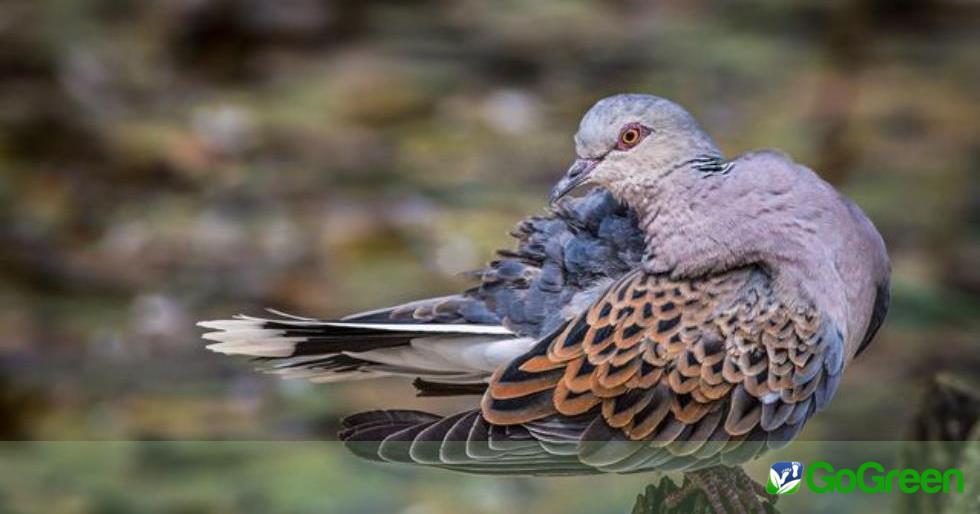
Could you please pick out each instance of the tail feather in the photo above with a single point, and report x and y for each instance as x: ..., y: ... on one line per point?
x: 328, y: 351
x: 244, y: 334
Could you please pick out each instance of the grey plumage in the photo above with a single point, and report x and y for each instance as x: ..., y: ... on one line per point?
x: 581, y: 244
x: 691, y: 311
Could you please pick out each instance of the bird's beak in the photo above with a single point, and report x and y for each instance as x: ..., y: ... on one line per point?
x: 577, y: 174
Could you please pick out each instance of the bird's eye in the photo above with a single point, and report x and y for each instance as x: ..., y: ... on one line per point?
x: 630, y: 136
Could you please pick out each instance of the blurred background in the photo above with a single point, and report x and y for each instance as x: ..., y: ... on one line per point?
x: 163, y: 162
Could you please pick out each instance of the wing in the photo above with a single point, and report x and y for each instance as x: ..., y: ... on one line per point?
x: 677, y: 361
x: 878, y: 313
x: 466, y: 442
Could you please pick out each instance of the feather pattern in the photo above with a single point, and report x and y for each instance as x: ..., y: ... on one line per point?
x: 667, y: 360
x: 554, y: 445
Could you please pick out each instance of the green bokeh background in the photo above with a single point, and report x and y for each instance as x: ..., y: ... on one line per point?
x: 163, y: 162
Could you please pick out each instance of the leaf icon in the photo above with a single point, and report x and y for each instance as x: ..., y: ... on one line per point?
x: 774, y: 477
x: 788, y: 486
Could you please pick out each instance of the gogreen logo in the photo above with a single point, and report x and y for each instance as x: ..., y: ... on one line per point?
x: 785, y: 478
x: 821, y: 477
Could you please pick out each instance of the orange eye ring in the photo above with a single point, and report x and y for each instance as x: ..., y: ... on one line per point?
x: 630, y: 136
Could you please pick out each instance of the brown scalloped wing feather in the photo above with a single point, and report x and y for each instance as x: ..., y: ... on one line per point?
x: 670, y: 360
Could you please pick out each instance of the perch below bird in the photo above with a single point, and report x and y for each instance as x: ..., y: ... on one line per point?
x: 687, y: 307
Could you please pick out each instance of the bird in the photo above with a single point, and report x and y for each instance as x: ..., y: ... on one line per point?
x: 689, y: 312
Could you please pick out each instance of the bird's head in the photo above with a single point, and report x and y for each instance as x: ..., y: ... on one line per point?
x: 630, y: 140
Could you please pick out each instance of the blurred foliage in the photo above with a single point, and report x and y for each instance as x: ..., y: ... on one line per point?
x: 949, y: 413
x: 168, y: 161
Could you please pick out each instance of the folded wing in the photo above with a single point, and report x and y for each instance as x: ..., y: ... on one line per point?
x: 670, y: 361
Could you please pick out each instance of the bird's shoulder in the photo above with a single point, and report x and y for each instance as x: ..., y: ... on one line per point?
x: 769, y: 165
x: 765, y: 158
